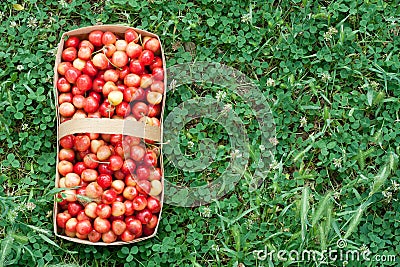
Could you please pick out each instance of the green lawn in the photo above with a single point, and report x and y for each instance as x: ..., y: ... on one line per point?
x: 331, y: 74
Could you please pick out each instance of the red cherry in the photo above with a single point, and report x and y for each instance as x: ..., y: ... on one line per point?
x: 104, y: 180
x: 95, y: 37
x: 72, y: 41
x: 131, y: 36
x: 146, y: 57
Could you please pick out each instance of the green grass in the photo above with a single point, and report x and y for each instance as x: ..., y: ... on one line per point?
x: 330, y: 72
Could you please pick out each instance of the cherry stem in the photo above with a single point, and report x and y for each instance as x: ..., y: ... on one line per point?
x: 104, y: 52
x: 98, y: 51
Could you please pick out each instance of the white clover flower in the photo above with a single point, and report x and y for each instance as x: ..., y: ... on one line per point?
x: 13, y: 24
x: 12, y: 215
x: 215, y: 247
x: 303, y: 122
x: 236, y: 154
x: 387, y: 194
x: 328, y: 35
x: 206, y: 212
x: 395, y: 185
x: 374, y: 84
x: 30, y: 206
x: 325, y: 77
x: 32, y: 23
x: 271, y: 82
x: 249, y: 223
x: 227, y: 107
x: 274, y: 165
x: 337, y: 162
x: 273, y: 141
x: 246, y: 18
x: 63, y: 3
x: 20, y: 67
x: 220, y: 95
x: 20, y: 207
x: 333, y: 30
x: 190, y: 144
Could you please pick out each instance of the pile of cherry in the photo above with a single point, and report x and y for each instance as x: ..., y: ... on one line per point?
x: 113, y: 182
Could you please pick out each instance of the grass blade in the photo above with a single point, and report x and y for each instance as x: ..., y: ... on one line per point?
x: 37, y: 229
x: 354, y: 221
x: 30, y: 253
x: 322, y: 236
x: 301, y: 154
x: 5, y: 249
x: 393, y: 161
x: 380, y: 180
x: 321, y: 208
x: 48, y: 240
x: 305, y: 205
